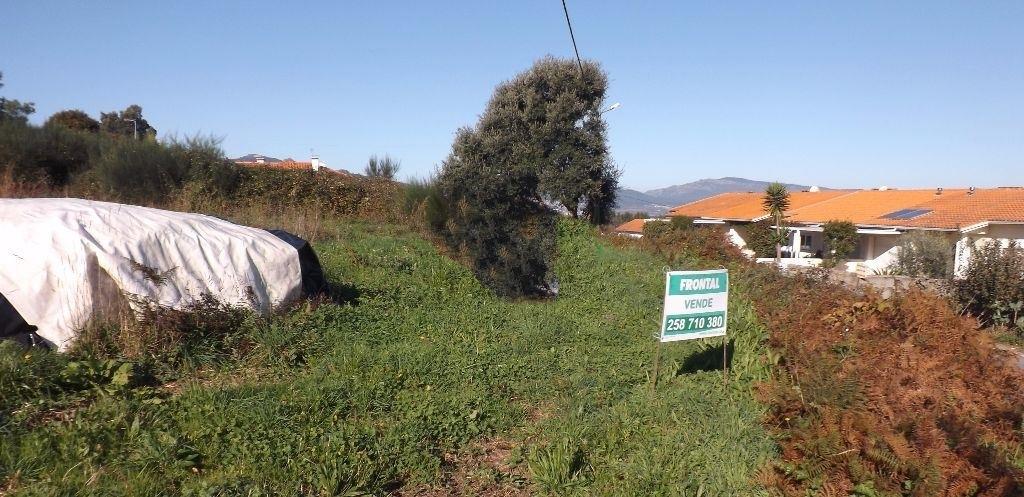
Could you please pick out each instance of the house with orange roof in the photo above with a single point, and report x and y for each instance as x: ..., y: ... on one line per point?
x: 968, y: 217
x: 314, y: 164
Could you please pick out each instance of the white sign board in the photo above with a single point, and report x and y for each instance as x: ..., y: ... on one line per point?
x: 696, y: 304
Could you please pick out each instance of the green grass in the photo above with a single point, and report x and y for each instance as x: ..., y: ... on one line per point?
x: 420, y: 368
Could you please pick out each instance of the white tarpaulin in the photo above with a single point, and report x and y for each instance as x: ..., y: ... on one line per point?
x: 57, y: 256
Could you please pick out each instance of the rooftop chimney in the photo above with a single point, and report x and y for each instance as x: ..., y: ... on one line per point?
x: 315, y: 161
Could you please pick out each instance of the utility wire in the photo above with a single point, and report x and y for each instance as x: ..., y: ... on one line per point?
x: 573, y: 37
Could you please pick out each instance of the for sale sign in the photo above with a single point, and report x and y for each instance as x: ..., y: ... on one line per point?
x: 696, y: 304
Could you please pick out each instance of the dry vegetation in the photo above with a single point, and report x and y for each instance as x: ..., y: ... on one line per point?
x: 872, y: 396
x: 902, y: 396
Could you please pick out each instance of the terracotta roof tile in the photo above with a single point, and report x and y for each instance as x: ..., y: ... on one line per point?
x: 959, y: 209
x: 288, y: 165
x: 633, y: 226
x: 952, y: 209
x: 747, y: 206
x: 860, y: 206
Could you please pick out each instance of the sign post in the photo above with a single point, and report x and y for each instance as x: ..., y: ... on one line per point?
x: 696, y: 306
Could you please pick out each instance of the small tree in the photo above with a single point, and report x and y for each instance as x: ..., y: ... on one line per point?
x: 762, y: 238
x: 776, y: 203
x: 993, y: 279
x: 925, y: 254
x: 541, y: 140
x: 74, y: 119
x: 382, y: 167
x: 840, y: 240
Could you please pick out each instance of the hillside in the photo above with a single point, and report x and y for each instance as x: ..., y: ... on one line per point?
x: 660, y: 200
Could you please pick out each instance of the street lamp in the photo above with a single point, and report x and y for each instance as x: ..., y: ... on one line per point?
x: 135, y: 127
x: 612, y: 107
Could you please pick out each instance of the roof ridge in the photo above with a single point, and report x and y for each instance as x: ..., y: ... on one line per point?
x: 705, y: 198
x: 823, y: 201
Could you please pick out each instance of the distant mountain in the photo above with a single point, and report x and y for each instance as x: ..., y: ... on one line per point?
x: 659, y: 200
x: 637, y: 201
x: 253, y: 157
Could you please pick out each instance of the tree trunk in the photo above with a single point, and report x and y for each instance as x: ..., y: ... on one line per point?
x: 574, y: 210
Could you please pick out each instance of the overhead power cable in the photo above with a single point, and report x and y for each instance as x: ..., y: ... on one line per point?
x: 572, y: 37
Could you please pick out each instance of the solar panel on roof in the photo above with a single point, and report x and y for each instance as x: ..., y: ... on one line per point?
x: 906, y: 213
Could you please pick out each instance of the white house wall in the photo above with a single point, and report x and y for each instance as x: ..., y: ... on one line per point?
x: 1000, y: 233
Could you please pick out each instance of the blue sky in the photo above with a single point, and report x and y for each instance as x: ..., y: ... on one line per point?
x: 852, y: 94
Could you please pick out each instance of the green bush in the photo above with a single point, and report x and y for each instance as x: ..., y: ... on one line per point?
x: 325, y: 192
x: 994, y: 277
x: 682, y: 222
x: 762, y: 238
x: 541, y: 141
x: 840, y: 240
x: 143, y: 171
x: 50, y: 154
x: 688, y: 245
x: 498, y: 227
x: 925, y: 254
x: 422, y: 201
x: 382, y: 167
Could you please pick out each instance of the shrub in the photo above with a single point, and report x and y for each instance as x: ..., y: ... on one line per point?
x: 206, y: 331
x: 762, y: 238
x: 840, y: 240
x: 682, y: 222
x: 859, y: 394
x: 497, y: 226
x: 325, y: 192
x: 52, y: 154
x: 540, y: 141
x: 74, y: 119
x: 994, y: 276
x: 689, y: 246
x: 382, y: 167
x: 142, y: 171
x: 925, y: 254
x: 422, y: 201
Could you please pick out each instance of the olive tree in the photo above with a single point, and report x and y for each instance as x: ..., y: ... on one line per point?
x: 540, y: 143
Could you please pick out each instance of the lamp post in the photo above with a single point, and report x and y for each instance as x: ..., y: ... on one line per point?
x: 135, y: 127
x: 612, y: 107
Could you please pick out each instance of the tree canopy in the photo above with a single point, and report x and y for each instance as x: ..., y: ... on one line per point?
x: 550, y: 116
x: 74, y: 119
x: 540, y: 142
x: 14, y: 110
x: 840, y: 240
x: 120, y: 123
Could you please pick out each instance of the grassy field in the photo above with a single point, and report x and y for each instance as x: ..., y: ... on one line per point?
x: 420, y: 383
